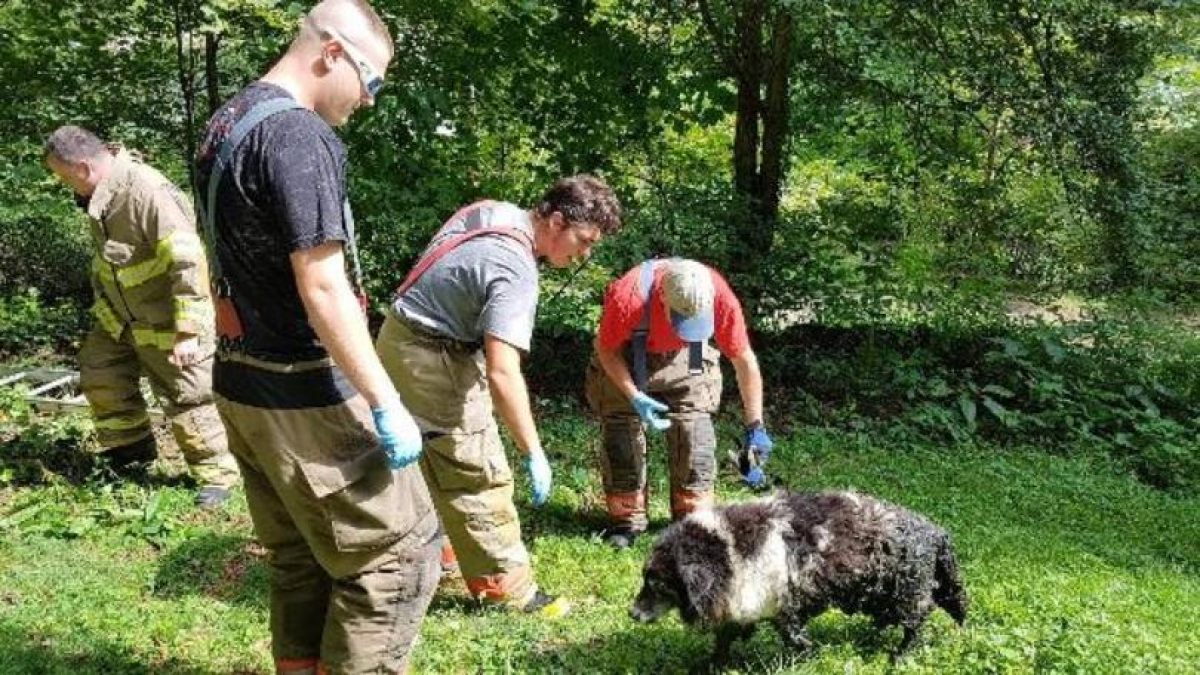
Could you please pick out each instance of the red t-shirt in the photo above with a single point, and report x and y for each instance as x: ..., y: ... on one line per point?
x: 623, y: 311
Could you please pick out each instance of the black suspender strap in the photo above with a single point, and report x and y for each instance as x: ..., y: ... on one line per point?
x: 641, y: 334
x: 224, y: 156
x: 221, y: 164
x: 695, y: 358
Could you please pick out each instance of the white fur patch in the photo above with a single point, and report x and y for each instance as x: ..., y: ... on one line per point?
x: 760, y: 580
x: 822, y: 538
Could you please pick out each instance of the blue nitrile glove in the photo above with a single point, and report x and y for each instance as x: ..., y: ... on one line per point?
x: 398, y: 433
x: 539, y: 475
x: 757, y: 447
x: 650, y: 411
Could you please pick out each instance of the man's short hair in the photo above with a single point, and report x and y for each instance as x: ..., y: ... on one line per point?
x: 583, y: 199
x: 71, y: 144
x: 331, y: 14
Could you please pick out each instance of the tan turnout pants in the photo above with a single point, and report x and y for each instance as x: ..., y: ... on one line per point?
x: 109, y: 372
x: 353, y: 545
x: 443, y: 384
x: 691, y: 440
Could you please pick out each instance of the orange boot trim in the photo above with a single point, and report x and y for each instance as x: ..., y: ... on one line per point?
x: 493, y: 587
x: 449, y: 557
x: 299, y: 667
x: 623, y: 506
x: 684, y: 502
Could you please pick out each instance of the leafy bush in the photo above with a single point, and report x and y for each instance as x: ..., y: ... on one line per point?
x: 1123, y: 389
x: 43, y: 238
x: 29, y: 324
x: 37, y: 447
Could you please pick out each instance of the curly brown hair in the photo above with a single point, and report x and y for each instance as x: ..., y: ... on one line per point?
x: 583, y: 199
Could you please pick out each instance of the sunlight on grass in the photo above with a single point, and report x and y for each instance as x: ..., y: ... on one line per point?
x: 1071, y: 566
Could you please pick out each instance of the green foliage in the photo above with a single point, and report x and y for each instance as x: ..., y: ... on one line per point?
x: 28, y: 324
x: 40, y: 448
x: 43, y: 238
x: 1124, y: 389
x: 934, y: 148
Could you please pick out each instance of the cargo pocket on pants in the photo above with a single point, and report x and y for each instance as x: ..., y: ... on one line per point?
x: 468, y: 463
x: 367, y: 505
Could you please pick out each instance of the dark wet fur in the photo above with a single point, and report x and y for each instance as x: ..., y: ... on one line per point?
x: 872, y: 558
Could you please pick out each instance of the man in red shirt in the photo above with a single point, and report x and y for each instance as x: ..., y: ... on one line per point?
x: 654, y: 367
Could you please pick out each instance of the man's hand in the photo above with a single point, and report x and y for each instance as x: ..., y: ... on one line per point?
x: 757, y: 448
x: 399, y: 434
x: 186, y: 350
x: 758, y: 440
x: 651, y: 411
x: 539, y: 475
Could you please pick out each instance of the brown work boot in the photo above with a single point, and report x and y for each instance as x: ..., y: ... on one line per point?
x: 132, y: 459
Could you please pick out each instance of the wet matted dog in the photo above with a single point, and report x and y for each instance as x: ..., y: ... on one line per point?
x: 791, y: 556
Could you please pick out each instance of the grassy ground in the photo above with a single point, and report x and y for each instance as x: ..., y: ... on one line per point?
x: 1072, y: 568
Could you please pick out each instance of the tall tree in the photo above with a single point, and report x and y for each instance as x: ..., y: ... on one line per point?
x: 753, y: 39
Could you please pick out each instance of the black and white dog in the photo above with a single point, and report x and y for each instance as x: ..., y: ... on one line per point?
x: 791, y: 556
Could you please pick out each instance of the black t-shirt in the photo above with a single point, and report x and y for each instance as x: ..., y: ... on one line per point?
x: 282, y: 192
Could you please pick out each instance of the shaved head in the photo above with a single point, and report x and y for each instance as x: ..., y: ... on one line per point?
x: 354, y: 20
x: 338, y: 61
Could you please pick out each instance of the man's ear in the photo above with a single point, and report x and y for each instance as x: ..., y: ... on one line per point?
x: 330, y: 51
x: 82, y: 170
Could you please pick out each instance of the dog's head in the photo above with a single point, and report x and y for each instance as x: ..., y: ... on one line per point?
x: 689, y: 570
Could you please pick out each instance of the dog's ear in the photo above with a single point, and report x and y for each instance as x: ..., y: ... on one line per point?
x: 702, y: 589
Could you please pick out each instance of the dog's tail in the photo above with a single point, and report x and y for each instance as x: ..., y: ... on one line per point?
x: 949, y: 593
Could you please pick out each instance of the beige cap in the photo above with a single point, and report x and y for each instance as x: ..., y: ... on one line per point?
x: 687, y: 288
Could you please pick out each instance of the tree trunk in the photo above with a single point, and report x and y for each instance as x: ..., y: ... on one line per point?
x: 186, y: 67
x: 212, y: 75
x: 776, y: 128
x: 749, y: 73
x: 757, y: 54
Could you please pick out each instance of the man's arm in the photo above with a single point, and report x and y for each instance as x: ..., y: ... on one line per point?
x: 337, y: 318
x: 750, y: 384
x: 613, y: 363
x: 166, y: 219
x: 509, y: 393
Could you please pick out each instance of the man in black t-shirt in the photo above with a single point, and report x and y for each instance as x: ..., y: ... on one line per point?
x: 312, y: 417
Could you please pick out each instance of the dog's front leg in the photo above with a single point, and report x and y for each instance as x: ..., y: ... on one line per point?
x: 912, y: 620
x: 912, y: 638
x: 728, y: 634
x: 791, y: 627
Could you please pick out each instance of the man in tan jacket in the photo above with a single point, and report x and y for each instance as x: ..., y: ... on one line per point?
x: 152, y: 310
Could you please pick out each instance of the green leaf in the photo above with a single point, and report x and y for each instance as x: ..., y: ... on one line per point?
x: 998, y: 391
x: 998, y: 411
x: 967, y: 407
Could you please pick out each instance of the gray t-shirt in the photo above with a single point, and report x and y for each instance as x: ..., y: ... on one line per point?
x: 487, y: 285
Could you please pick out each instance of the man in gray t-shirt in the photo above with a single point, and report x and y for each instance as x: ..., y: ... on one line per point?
x: 487, y: 285
x: 453, y: 344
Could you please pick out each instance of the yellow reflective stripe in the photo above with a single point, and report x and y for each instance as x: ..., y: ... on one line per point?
x: 148, y: 337
x: 199, y: 311
x: 124, y: 422
x: 107, y: 318
x: 175, y: 246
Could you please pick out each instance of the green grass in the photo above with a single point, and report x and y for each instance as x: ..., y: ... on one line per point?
x: 1071, y: 566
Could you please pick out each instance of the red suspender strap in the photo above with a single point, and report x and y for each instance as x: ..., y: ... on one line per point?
x: 450, y: 244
